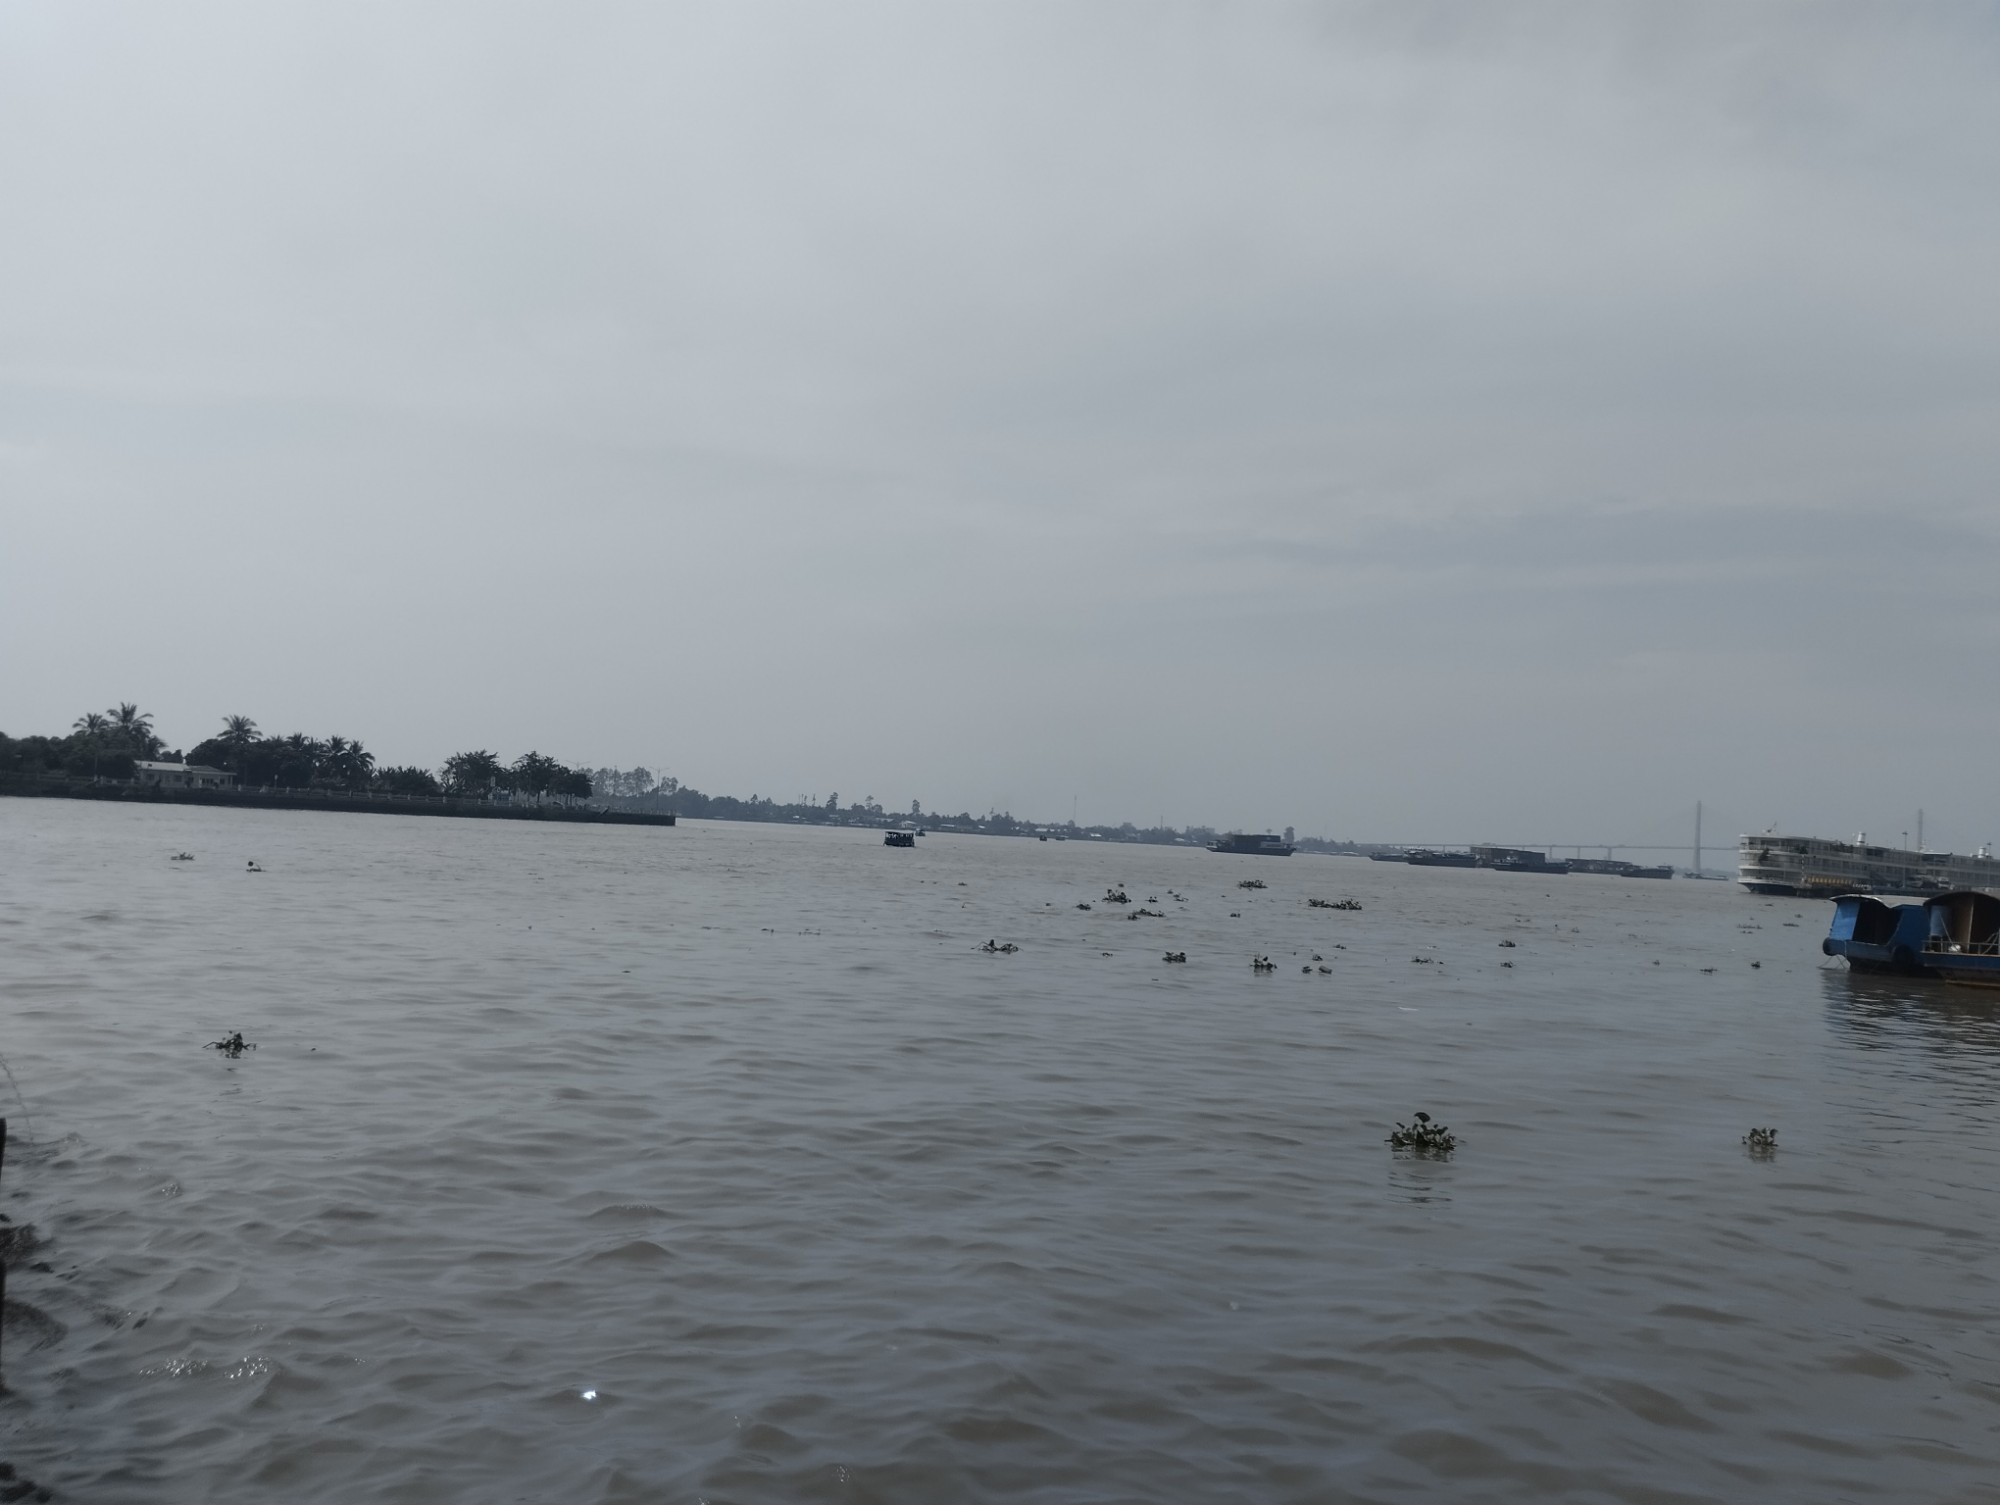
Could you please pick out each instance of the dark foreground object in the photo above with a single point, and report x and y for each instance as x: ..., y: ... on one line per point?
x: 326, y: 799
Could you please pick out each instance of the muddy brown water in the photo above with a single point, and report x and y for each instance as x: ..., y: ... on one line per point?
x: 719, y: 1163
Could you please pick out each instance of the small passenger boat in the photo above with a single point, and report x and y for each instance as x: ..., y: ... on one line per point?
x: 899, y: 838
x: 1878, y: 937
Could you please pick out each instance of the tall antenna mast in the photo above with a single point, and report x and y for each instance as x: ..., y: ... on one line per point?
x: 1920, y: 830
x: 1697, y: 838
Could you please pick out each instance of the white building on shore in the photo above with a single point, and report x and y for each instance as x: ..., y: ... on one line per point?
x: 181, y: 776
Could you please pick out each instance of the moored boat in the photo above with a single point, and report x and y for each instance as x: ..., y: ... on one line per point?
x: 1517, y: 860
x: 1241, y: 845
x: 1962, y: 937
x: 1878, y: 937
x: 1424, y: 857
x: 1611, y: 867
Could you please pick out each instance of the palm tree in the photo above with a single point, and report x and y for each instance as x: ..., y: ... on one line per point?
x: 135, y: 728
x: 303, y: 758
x: 360, y: 765
x: 349, y: 762
x: 92, y: 727
x: 238, y: 732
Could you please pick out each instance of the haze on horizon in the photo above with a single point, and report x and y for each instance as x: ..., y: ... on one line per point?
x: 1398, y: 421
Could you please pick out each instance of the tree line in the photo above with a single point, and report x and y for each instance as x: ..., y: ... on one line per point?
x: 101, y: 744
x: 107, y: 744
x: 110, y: 744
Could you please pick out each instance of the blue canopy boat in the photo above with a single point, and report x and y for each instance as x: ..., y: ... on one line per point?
x: 1877, y: 937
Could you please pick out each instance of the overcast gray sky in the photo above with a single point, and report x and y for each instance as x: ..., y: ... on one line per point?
x: 1475, y: 421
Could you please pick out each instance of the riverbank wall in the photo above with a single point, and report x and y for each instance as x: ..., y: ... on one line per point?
x: 62, y: 787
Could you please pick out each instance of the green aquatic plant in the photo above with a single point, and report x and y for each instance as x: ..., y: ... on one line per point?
x: 1423, y: 1137
x: 1761, y: 1143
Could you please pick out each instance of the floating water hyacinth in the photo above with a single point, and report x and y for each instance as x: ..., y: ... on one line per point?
x: 1424, y: 1137
x: 1761, y: 1143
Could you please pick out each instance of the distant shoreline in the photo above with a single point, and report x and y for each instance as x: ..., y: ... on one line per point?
x: 334, y: 800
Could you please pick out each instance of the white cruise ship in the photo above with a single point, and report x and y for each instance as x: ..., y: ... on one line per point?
x: 1774, y: 864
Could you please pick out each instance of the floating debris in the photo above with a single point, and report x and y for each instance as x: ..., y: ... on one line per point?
x: 1174, y: 956
x: 251, y: 866
x: 1756, y: 964
x: 1506, y: 964
x: 1707, y: 971
x: 1506, y: 945
x: 1000, y: 948
x: 1142, y: 913
x: 1424, y: 961
x: 231, y: 1046
x: 1262, y: 964
x: 1083, y: 906
x: 1326, y: 969
x: 1424, y: 1137
x: 182, y: 857
x: 1116, y: 896
x: 1253, y: 883
x: 1761, y: 1143
x: 1353, y: 904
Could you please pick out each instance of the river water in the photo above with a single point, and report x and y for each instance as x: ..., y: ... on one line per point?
x: 718, y: 1163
